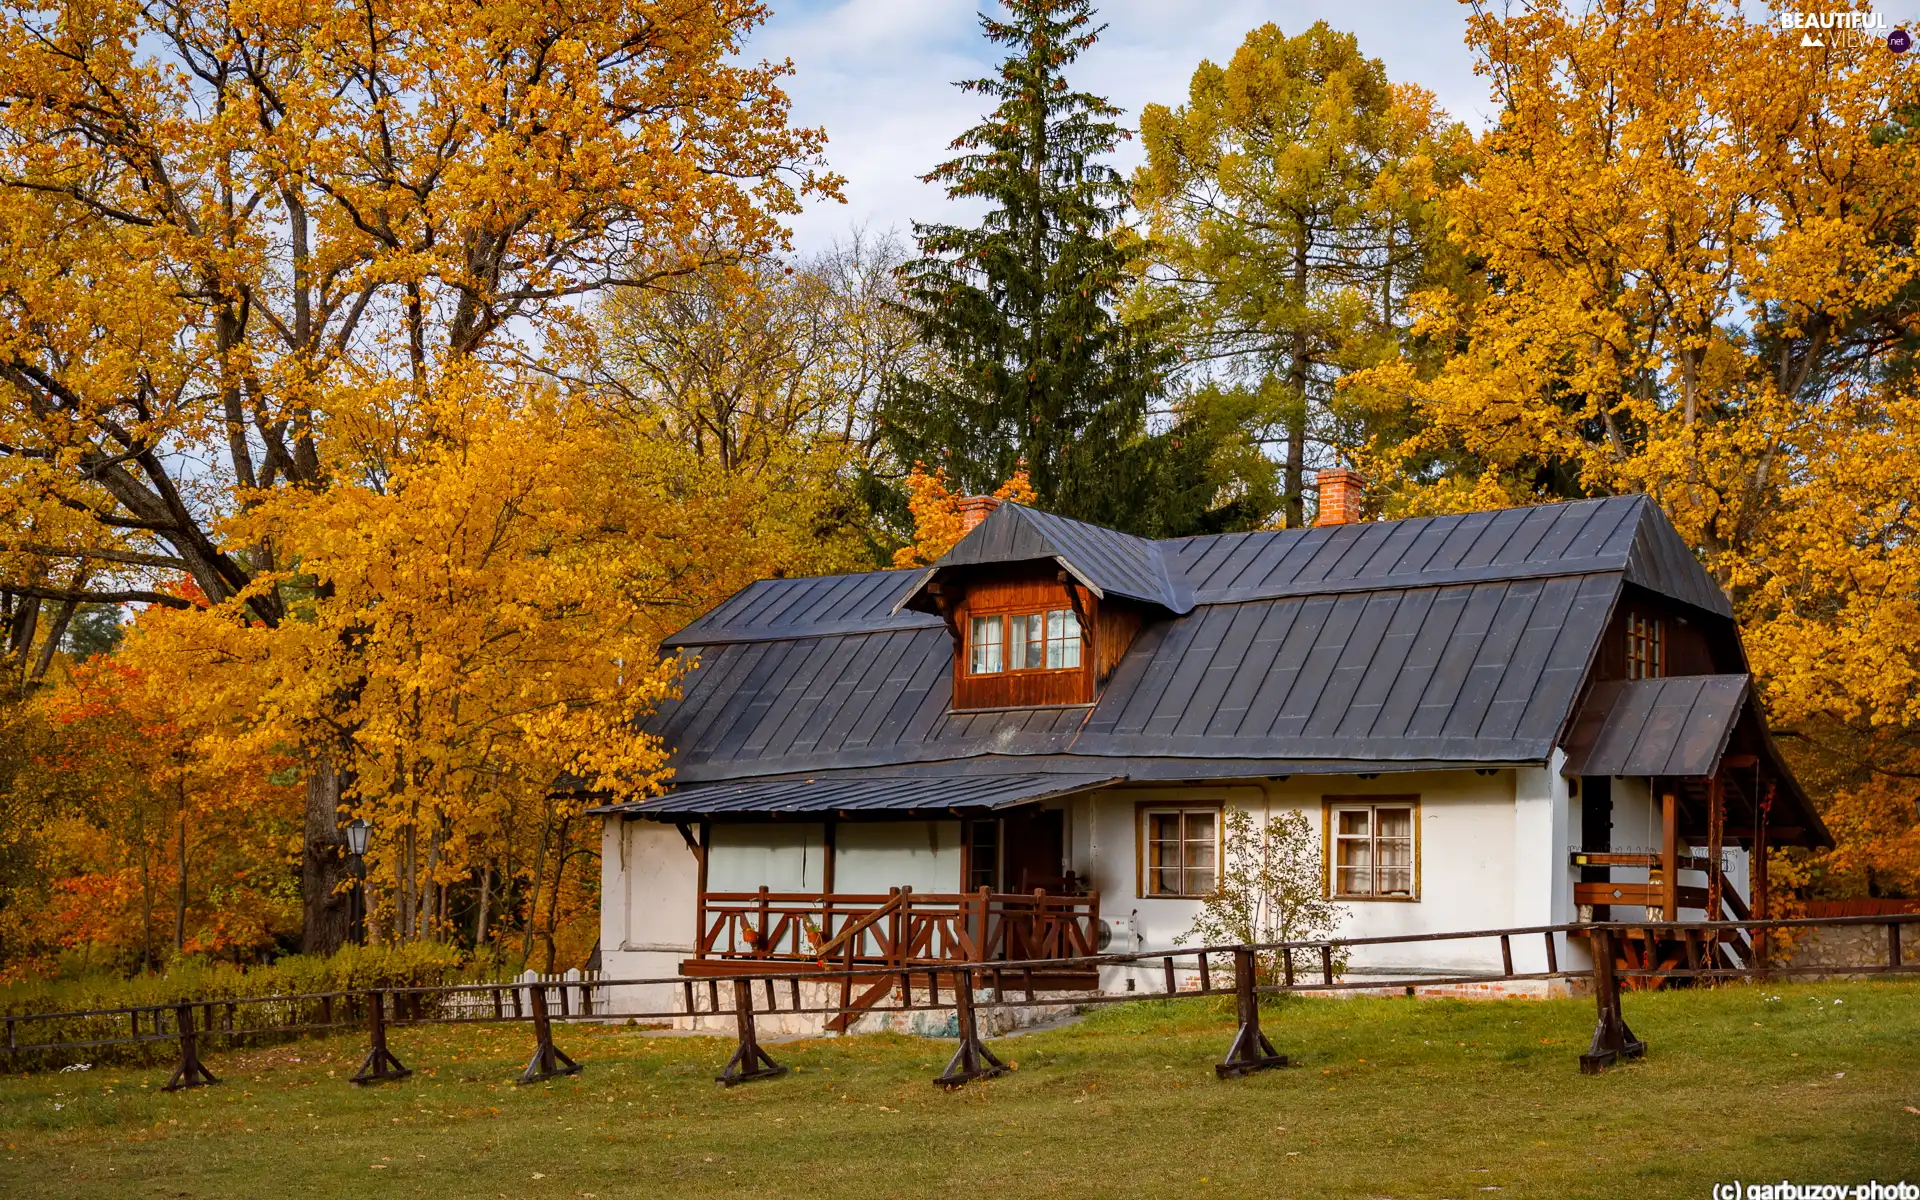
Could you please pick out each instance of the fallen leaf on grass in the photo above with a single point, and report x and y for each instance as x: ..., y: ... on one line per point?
x: 1913, y: 1110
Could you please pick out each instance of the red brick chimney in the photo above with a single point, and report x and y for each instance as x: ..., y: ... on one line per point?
x: 1341, y: 492
x: 973, y: 510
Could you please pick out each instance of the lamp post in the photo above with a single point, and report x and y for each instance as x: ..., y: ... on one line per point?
x: 357, y: 831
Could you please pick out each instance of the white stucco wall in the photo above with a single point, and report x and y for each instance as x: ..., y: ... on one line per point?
x: 648, y: 882
x: 1492, y: 851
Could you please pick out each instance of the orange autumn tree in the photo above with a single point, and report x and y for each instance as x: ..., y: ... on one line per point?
x: 242, y: 249
x: 938, y: 521
x: 1699, y: 240
x: 152, y: 844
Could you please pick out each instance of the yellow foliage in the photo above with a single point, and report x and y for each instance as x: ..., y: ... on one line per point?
x: 937, y: 519
x: 1699, y: 239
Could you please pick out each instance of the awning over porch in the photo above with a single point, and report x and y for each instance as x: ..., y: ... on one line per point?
x: 1693, y: 728
x: 864, y: 793
x: 1678, y: 725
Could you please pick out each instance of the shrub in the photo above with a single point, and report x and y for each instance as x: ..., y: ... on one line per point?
x: 354, y: 968
x: 1269, y: 891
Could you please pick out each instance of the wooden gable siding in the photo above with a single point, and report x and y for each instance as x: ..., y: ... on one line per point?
x: 1685, y: 648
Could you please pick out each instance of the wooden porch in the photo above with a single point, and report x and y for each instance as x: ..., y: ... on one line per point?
x: 806, y: 932
x: 1699, y: 818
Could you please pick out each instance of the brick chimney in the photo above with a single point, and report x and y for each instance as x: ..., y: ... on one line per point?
x: 973, y: 510
x: 1341, y: 492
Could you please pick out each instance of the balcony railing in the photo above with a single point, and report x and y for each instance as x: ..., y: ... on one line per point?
x: 900, y: 928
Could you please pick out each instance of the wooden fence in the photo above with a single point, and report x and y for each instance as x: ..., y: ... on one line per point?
x: 1245, y: 972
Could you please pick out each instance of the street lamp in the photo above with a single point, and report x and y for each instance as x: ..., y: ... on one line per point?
x: 357, y: 831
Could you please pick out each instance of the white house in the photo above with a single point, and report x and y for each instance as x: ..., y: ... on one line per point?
x: 1528, y: 716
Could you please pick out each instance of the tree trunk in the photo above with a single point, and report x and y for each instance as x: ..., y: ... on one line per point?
x: 480, y: 921
x: 326, y: 918
x: 180, y: 863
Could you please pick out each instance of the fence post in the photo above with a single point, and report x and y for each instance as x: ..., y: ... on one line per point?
x: 380, y: 1064
x: 191, y: 1073
x: 548, y: 1060
x: 1612, y: 1040
x: 972, y: 1060
x: 1893, y: 946
x: 749, y: 1061
x: 1251, y: 1051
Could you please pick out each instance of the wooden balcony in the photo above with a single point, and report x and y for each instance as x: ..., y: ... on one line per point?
x: 815, y: 931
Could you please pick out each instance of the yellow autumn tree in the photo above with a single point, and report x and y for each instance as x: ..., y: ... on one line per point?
x: 243, y: 247
x: 938, y: 521
x: 1699, y: 245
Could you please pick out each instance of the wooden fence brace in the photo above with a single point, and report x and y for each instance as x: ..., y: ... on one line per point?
x: 562, y: 989
x: 713, y: 995
x: 793, y: 991
x: 1172, y: 986
x: 191, y: 1073
x: 1893, y: 946
x: 326, y: 1010
x: 499, y: 1010
x: 933, y: 989
x: 749, y: 1061
x: 972, y: 1060
x: 1506, y: 954
x: 1206, y: 979
x: 1326, y: 963
x: 686, y: 984
x: 548, y: 1060
x: 380, y: 1063
x: 1553, y: 956
x: 1691, y: 938
x: 772, y: 1002
x: 1612, y: 1040
x: 1286, y: 965
x: 1251, y: 1051
x: 517, y: 1013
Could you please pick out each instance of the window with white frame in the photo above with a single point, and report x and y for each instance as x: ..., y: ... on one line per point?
x: 1180, y: 850
x: 1371, y: 855
x: 986, y: 642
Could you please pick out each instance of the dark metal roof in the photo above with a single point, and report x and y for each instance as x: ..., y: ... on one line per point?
x: 864, y: 793
x: 1674, y: 726
x: 1109, y: 562
x: 1458, y: 640
x: 814, y: 606
x: 1626, y: 534
x: 1622, y: 535
x: 1469, y: 673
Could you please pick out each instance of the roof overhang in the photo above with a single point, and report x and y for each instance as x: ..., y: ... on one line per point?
x: 865, y: 795
x: 1681, y: 727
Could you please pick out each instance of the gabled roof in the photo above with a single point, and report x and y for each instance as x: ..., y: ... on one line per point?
x: 1461, y: 640
x: 1108, y: 562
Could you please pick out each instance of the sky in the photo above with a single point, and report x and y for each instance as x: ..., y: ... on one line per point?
x: 878, y: 74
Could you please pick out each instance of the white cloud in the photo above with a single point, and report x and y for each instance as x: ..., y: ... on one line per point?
x: 878, y: 74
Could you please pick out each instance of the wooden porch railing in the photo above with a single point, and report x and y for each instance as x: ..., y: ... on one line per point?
x: 898, y: 928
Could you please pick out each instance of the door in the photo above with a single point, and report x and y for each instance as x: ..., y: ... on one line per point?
x: 1035, y: 849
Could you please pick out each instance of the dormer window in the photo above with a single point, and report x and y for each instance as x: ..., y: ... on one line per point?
x: 1033, y: 641
x: 1646, y: 657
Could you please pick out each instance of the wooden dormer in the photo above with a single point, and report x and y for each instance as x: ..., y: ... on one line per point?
x: 1041, y: 609
x: 1031, y: 636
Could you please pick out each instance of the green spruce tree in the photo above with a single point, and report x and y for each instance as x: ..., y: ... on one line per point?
x: 1037, y: 366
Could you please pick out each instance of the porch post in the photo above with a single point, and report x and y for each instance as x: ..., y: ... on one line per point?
x: 1716, y: 836
x: 1669, y: 855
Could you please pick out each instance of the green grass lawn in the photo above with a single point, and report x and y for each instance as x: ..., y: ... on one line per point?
x: 1815, y: 1083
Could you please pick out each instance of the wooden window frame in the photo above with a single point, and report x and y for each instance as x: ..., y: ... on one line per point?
x: 1145, y: 809
x: 1331, y: 804
x: 1014, y: 687
x: 1009, y: 620
x: 1646, y: 647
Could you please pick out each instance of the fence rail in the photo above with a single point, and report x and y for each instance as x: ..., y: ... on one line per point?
x: 1245, y: 972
